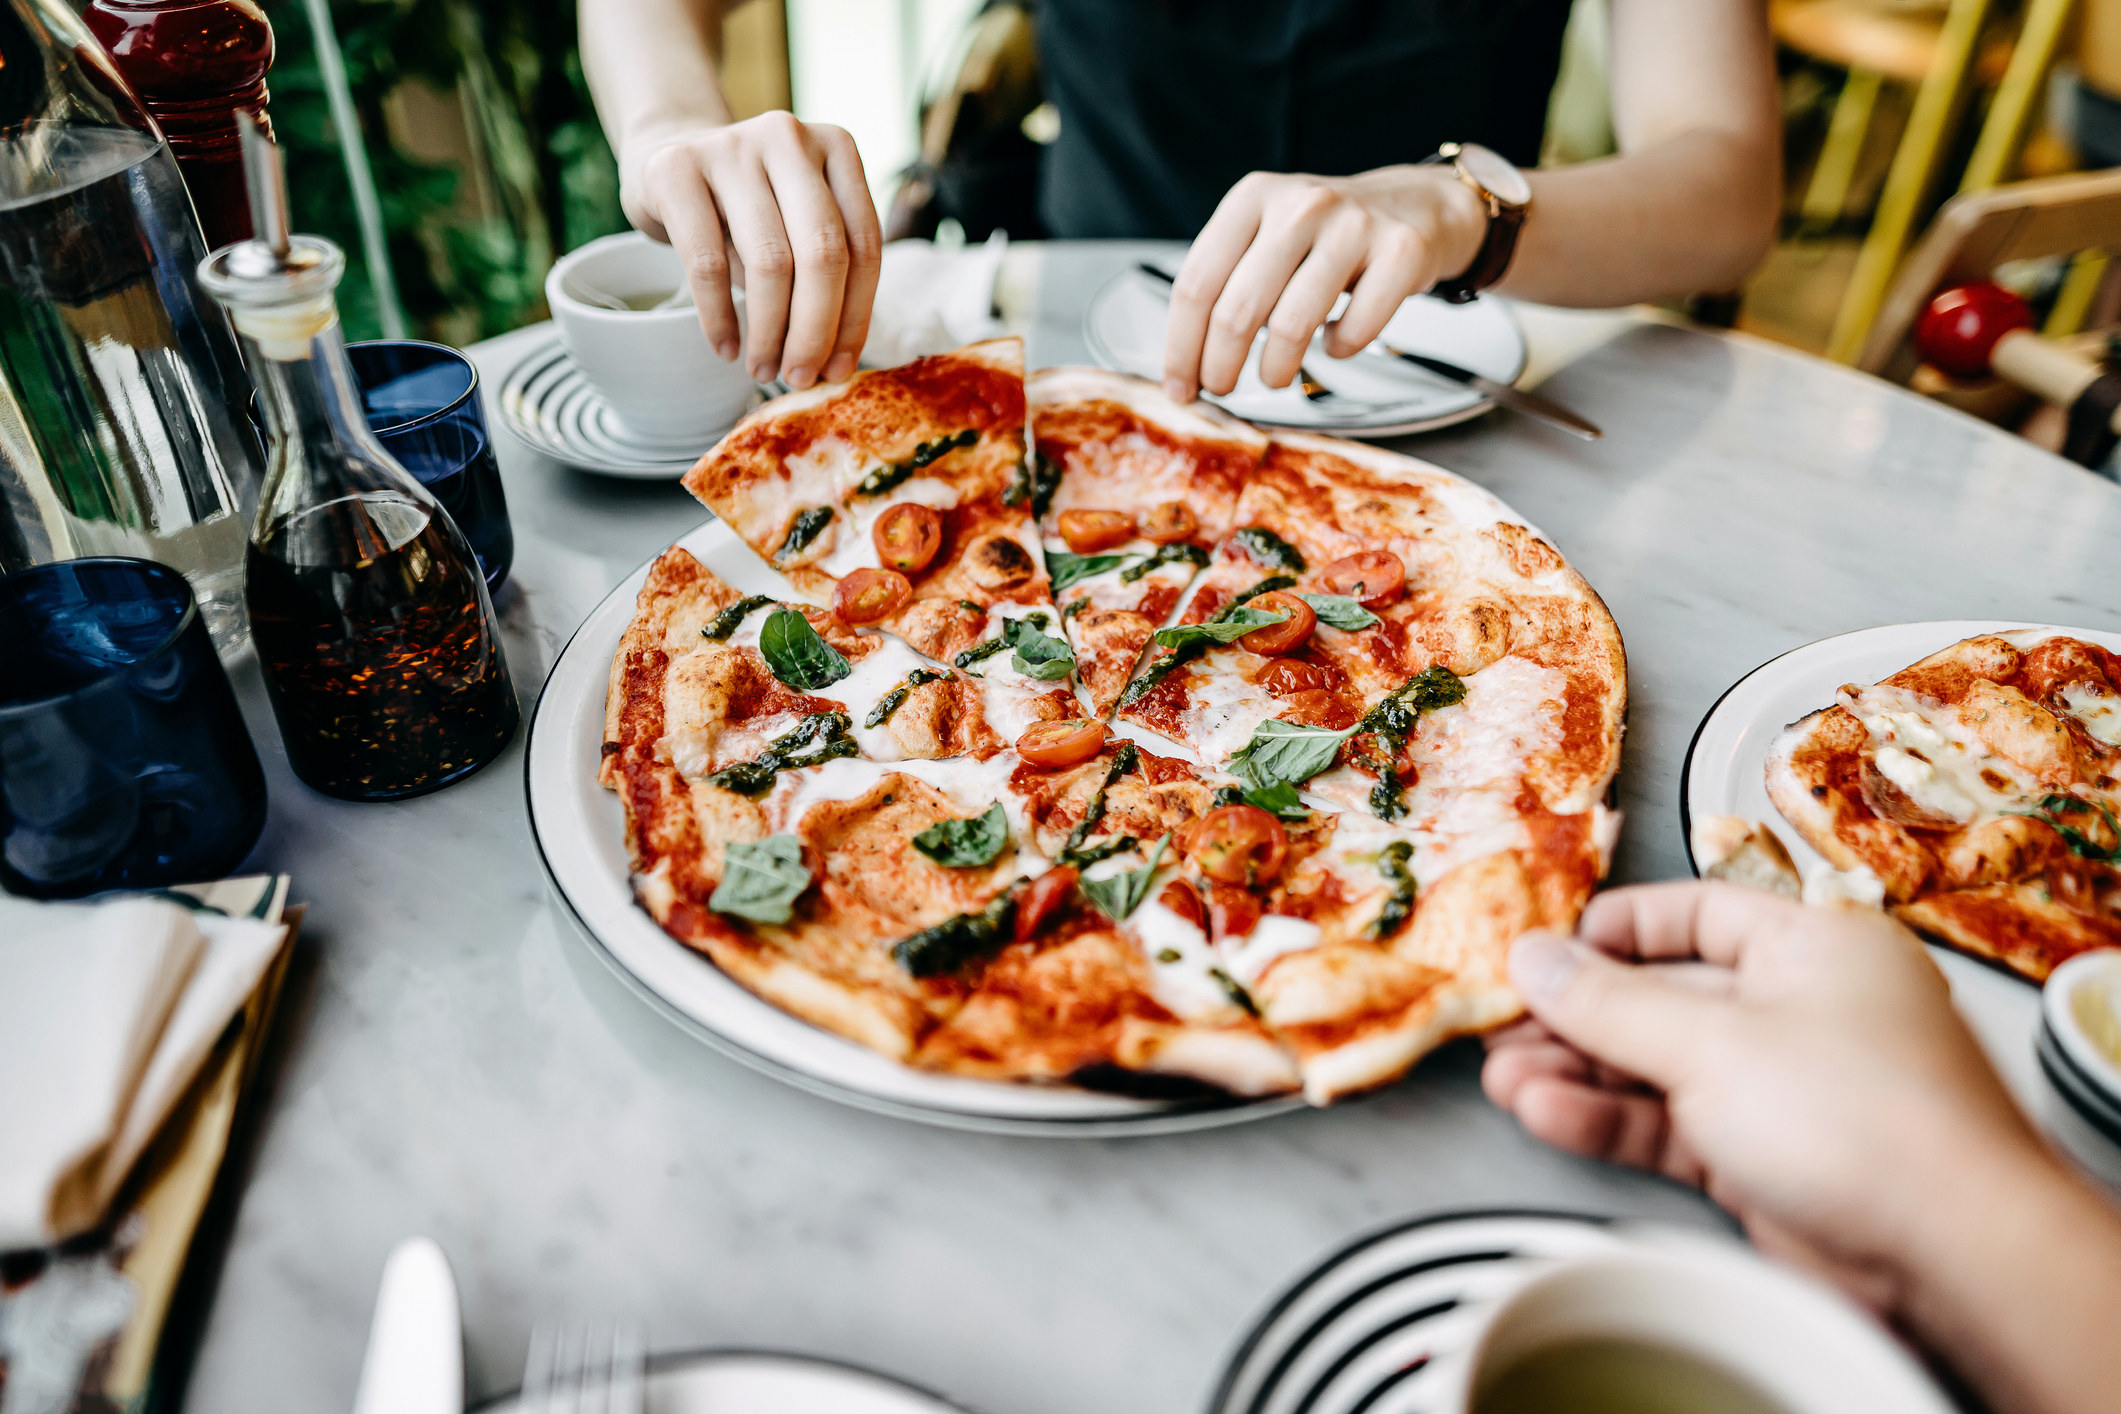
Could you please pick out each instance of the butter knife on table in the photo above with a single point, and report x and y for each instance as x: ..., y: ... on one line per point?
x: 1503, y: 394
x: 415, y: 1360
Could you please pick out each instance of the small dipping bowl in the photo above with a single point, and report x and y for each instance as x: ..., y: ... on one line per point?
x: 2080, y: 1037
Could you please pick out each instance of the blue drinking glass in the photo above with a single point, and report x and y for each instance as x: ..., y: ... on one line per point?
x: 422, y: 402
x: 124, y: 761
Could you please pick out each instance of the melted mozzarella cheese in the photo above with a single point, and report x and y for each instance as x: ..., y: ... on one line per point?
x: 972, y: 786
x: 1181, y: 960
x: 1472, y: 758
x: 2100, y: 712
x: 1275, y: 936
x: 817, y: 476
x: 1222, y: 709
x: 855, y: 547
x: 1845, y: 886
x: 1935, y: 758
x: 883, y: 669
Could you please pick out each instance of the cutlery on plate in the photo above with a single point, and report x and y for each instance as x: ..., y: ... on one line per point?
x: 1316, y: 391
x: 415, y: 1360
x: 584, y: 1370
x: 1503, y: 394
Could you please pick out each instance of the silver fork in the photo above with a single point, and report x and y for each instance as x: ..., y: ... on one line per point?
x: 584, y: 1370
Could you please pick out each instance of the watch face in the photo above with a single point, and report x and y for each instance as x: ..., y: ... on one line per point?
x: 1496, y: 173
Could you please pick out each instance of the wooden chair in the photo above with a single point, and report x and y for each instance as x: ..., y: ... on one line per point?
x: 1947, y: 52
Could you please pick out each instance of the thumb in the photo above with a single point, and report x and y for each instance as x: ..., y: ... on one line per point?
x: 1622, y: 1015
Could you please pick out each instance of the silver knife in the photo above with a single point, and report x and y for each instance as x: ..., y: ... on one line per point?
x: 1515, y: 399
x: 415, y: 1361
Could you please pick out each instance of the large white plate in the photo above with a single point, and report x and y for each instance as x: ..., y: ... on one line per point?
x: 580, y: 834
x: 1374, y: 396
x: 765, y: 1382
x: 1725, y: 774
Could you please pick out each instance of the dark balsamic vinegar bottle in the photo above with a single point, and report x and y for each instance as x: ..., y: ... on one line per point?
x: 380, y: 649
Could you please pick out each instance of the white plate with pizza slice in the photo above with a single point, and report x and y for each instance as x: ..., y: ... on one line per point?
x: 1726, y: 774
x: 580, y: 832
x: 1372, y: 394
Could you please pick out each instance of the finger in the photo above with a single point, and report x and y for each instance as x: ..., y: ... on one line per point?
x: 760, y: 241
x: 1199, y: 284
x: 1400, y: 264
x: 1329, y: 269
x: 695, y: 225
x: 811, y: 214
x: 1635, y: 1130
x: 1625, y: 1016
x: 1712, y: 921
x: 865, y: 248
x: 1508, y: 1069
x: 1286, y: 237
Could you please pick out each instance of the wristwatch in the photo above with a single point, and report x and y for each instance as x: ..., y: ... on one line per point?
x: 1507, y: 196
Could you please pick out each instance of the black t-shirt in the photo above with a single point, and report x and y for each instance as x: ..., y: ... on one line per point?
x: 1164, y: 104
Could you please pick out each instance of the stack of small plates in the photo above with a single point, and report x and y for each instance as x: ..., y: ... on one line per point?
x: 2080, y: 1037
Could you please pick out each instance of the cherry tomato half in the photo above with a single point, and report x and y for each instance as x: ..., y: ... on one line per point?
x: 1042, y: 898
x: 1372, y: 579
x: 1090, y: 531
x: 1284, y: 677
x: 1178, y: 896
x: 867, y: 595
x: 1068, y: 742
x: 1236, y: 912
x: 1240, y: 844
x: 1170, y: 522
x: 907, y: 537
x: 1286, y: 636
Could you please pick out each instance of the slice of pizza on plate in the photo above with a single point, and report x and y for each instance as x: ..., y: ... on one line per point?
x: 1134, y: 491
x: 901, y: 496
x: 1980, y: 789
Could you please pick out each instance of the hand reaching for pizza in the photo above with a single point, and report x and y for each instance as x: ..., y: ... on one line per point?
x: 1805, y: 1067
x: 1280, y: 249
x: 780, y: 207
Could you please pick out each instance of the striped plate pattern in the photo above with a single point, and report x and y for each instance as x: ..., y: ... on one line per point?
x: 549, y: 406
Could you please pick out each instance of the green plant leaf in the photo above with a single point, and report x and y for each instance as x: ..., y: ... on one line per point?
x: 1278, y: 798
x: 966, y: 844
x: 1227, y: 629
x: 1268, y: 549
x: 1339, y: 611
x: 1286, y: 752
x: 1038, y: 654
x: 1121, y: 894
x: 1068, y: 569
x: 762, y: 881
x: 798, y: 657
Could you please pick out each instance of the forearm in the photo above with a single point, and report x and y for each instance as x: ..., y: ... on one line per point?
x: 2016, y: 1283
x: 650, y: 65
x: 1691, y: 214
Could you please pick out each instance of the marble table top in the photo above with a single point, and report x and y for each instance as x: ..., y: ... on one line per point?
x: 459, y: 1063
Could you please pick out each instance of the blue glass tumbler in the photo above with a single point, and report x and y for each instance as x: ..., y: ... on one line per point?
x: 422, y: 402
x: 124, y: 761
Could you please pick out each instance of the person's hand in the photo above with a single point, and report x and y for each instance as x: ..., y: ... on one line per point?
x: 780, y: 207
x: 1280, y: 249
x: 1802, y: 1065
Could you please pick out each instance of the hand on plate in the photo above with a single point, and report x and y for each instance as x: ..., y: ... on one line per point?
x: 780, y: 207
x: 1802, y: 1065
x: 1282, y: 247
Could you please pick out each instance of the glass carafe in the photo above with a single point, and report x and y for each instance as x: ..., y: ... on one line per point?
x: 379, y: 644
x: 122, y: 429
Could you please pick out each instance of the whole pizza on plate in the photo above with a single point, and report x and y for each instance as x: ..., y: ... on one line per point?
x: 1130, y: 747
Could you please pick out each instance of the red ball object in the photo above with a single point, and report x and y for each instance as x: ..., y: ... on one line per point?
x: 1959, y: 330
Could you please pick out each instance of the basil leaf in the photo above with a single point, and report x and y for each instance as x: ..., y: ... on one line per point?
x: 965, y: 844
x: 958, y: 940
x: 1339, y: 611
x: 1121, y: 894
x: 732, y: 618
x: 798, y: 657
x: 1038, y: 654
x: 803, y: 530
x: 1278, y: 798
x: 1267, y: 548
x: 1177, y: 552
x: 1225, y: 629
x: 1286, y: 751
x: 762, y: 881
x: 1067, y: 569
x: 1392, y: 863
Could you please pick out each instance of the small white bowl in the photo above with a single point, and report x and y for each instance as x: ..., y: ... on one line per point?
x: 652, y: 367
x: 2081, y: 1004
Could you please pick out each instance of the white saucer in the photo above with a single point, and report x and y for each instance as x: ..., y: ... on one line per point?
x: 549, y: 405
x: 580, y: 834
x: 1725, y: 774
x: 766, y: 1382
x: 1375, y: 395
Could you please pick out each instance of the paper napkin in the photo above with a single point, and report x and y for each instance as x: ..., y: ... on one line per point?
x: 933, y: 298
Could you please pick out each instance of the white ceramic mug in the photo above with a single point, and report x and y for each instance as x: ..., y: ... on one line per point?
x: 653, y: 368
x: 1798, y: 1342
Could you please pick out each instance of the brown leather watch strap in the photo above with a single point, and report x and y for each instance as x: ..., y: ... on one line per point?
x: 1492, y: 260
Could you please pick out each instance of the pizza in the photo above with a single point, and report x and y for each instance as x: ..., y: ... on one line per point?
x: 1247, y: 784
x: 1975, y: 794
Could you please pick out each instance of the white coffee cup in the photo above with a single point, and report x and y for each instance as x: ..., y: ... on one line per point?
x: 652, y: 367
x: 1802, y: 1345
